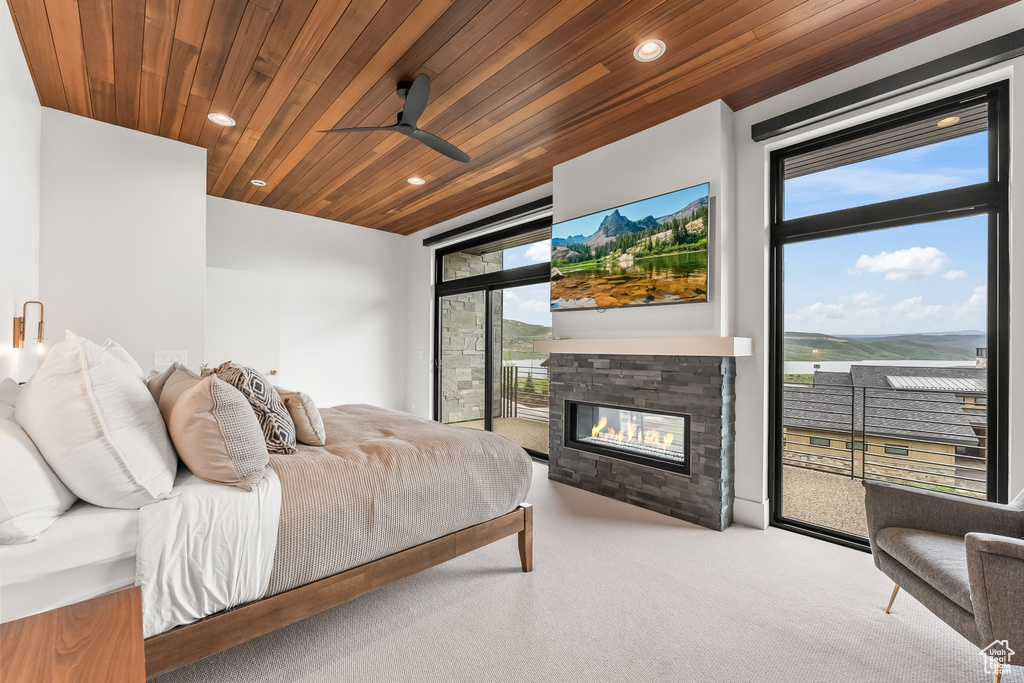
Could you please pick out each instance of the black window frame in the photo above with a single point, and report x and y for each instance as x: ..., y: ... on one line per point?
x: 533, y: 274
x: 987, y: 198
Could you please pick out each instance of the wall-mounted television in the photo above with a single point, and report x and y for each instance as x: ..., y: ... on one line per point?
x: 653, y: 251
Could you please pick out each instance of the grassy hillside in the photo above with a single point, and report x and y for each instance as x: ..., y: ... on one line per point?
x: 813, y: 346
x: 517, y: 339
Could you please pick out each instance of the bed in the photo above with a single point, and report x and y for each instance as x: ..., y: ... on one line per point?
x: 388, y: 495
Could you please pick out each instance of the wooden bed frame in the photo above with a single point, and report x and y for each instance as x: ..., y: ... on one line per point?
x: 218, y: 632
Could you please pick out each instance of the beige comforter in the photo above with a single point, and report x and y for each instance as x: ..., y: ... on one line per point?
x: 386, y: 481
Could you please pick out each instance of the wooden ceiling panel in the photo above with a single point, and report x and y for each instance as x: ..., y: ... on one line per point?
x: 520, y: 85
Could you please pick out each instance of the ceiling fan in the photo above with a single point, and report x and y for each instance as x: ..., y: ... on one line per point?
x: 415, y: 95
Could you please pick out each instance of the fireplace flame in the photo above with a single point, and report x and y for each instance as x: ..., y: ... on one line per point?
x: 632, y: 433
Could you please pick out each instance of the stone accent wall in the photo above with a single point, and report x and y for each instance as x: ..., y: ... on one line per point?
x: 463, y: 343
x: 701, y: 386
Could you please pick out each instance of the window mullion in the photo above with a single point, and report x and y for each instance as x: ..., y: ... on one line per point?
x: 918, y: 209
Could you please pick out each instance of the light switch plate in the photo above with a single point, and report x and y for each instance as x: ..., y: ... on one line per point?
x: 165, y: 358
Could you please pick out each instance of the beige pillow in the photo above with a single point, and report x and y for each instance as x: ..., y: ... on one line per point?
x: 309, y: 426
x: 217, y: 434
x: 180, y: 380
x: 158, y: 378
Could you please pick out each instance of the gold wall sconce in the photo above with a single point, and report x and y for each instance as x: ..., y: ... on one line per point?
x: 19, y: 327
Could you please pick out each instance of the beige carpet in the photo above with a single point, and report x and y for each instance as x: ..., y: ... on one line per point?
x: 619, y: 594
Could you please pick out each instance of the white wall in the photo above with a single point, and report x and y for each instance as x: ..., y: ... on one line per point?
x: 19, y: 199
x: 752, y: 219
x: 341, y: 300
x: 122, y: 237
x: 688, y: 150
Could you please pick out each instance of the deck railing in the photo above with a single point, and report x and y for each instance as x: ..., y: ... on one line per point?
x: 524, y: 392
x: 932, y: 439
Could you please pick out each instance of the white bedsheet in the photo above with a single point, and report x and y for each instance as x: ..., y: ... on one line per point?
x: 207, y: 548
x: 87, y: 552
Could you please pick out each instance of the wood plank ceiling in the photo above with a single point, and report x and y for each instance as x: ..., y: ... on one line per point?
x: 521, y: 85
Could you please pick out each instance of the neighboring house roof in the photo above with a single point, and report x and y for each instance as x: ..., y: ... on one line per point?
x: 910, y: 415
x: 832, y: 378
x: 963, y: 385
x: 878, y: 375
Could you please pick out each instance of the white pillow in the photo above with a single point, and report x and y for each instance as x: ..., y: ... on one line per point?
x: 8, y: 396
x: 97, y: 426
x: 31, y: 495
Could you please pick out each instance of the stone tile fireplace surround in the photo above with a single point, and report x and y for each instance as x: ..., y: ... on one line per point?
x: 701, y: 386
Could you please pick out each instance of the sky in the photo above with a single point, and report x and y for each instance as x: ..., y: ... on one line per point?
x: 923, y: 278
x: 530, y: 304
x: 659, y: 206
x: 930, y: 277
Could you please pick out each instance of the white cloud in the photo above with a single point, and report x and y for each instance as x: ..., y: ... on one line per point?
x: 979, y: 299
x: 535, y: 305
x: 818, y: 310
x: 539, y: 252
x: 955, y: 274
x: 904, y: 264
x: 914, y: 309
x: 866, y: 298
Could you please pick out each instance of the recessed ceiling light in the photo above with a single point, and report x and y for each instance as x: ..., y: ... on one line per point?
x: 948, y: 121
x: 416, y: 181
x: 258, y: 183
x: 221, y: 119
x: 649, y: 50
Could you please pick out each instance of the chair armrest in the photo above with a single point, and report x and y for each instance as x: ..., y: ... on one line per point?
x: 889, y: 505
x: 995, y: 566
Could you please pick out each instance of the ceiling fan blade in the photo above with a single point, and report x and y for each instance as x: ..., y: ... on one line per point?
x: 437, y: 144
x: 358, y: 130
x: 416, y: 100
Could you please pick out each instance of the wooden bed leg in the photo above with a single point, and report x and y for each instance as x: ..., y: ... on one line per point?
x: 526, y: 538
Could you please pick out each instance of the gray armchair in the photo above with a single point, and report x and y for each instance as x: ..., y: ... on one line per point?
x: 963, y: 559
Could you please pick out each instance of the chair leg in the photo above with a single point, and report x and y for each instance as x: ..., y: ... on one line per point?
x: 998, y: 674
x: 893, y: 598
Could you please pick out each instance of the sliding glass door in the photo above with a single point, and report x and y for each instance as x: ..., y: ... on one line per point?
x: 890, y: 303
x: 492, y: 303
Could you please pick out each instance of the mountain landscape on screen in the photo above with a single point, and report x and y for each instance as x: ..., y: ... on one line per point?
x: 648, y: 252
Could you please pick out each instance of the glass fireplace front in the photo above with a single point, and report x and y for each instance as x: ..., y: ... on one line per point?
x: 648, y: 437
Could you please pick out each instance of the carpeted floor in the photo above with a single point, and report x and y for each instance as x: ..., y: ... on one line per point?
x: 619, y: 594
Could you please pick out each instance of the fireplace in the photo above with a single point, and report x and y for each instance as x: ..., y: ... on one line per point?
x: 690, y: 397
x: 646, y: 437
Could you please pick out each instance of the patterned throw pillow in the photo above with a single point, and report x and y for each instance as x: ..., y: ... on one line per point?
x: 277, y: 425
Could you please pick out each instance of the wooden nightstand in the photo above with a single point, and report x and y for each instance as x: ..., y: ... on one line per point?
x: 95, y: 640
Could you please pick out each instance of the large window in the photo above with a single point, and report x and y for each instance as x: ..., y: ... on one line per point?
x: 492, y: 302
x: 889, y: 320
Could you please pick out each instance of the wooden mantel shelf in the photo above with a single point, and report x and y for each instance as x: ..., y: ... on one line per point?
x: 651, y: 346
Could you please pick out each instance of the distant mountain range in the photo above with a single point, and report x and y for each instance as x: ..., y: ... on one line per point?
x: 814, y: 346
x: 615, y: 224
